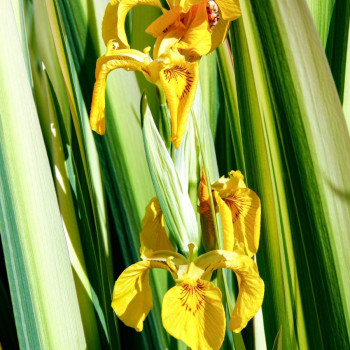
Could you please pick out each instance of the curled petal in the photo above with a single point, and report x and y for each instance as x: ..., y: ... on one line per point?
x: 132, y: 294
x: 251, y: 292
x: 251, y: 286
x: 193, y: 312
x: 113, y: 59
x: 179, y: 81
x: 113, y: 24
x: 153, y: 236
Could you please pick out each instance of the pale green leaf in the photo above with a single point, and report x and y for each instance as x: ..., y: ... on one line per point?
x: 37, y: 260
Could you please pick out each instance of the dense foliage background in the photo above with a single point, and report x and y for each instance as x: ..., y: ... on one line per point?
x: 274, y: 102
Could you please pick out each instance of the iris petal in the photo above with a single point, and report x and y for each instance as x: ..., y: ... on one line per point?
x: 179, y: 81
x: 251, y: 286
x: 113, y: 59
x: 230, y: 9
x: 208, y: 233
x: 132, y: 294
x: 227, y: 225
x: 193, y: 312
x: 197, y: 38
x: 246, y: 216
x: 153, y: 236
x: 113, y: 24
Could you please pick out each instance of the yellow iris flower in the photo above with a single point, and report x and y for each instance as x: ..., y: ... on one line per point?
x: 189, y: 30
x: 192, y: 311
x: 239, y: 209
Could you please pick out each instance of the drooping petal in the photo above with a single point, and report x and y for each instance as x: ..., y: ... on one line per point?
x: 179, y: 81
x: 193, y: 312
x: 132, y: 294
x: 113, y: 24
x: 113, y: 59
x: 227, y: 225
x: 251, y: 286
x: 251, y: 294
x: 230, y: 9
x: 245, y: 209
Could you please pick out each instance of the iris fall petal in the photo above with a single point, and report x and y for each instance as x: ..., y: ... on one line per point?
x: 193, y: 312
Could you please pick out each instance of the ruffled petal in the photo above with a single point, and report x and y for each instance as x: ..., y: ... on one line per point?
x: 230, y: 9
x: 191, y: 33
x: 132, y: 294
x: 179, y: 81
x: 113, y: 24
x: 113, y: 59
x: 153, y: 236
x: 251, y: 286
x: 227, y: 186
x: 193, y: 313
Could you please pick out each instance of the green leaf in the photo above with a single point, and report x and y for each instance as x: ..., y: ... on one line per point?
x: 303, y: 130
x: 40, y: 276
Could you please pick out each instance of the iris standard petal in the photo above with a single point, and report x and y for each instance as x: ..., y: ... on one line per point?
x: 245, y: 209
x: 160, y: 25
x: 244, y: 205
x: 230, y: 9
x: 153, y: 236
x: 196, y: 41
x: 185, y: 5
x: 113, y: 59
x: 251, y: 286
x: 132, y: 294
x: 208, y: 233
x: 193, y: 313
x: 179, y: 81
x: 113, y: 24
x: 219, y: 33
x: 227, y: 225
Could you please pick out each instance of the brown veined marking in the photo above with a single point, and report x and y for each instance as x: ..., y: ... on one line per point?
x: 236, y: 205
x: 192, y: 297
x: 177, y: 73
